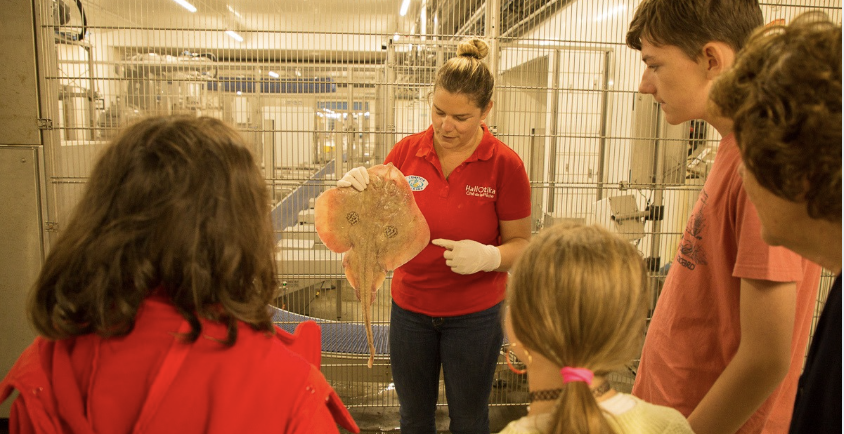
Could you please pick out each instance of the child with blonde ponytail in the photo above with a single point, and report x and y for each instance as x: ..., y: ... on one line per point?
x: 577, y: 303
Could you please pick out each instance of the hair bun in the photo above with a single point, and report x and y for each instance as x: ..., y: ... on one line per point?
x: 474, y: 47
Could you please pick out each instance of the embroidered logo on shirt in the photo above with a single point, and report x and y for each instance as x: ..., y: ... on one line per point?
x: 478, y: 191
x: 417, y: 183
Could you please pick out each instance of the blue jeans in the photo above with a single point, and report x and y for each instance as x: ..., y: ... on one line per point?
x: 466, y: 346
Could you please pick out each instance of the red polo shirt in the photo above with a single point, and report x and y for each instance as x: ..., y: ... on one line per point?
x: 490, y: 186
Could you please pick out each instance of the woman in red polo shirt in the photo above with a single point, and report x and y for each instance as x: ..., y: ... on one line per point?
x: 152, y: 305
x: 475, y: 195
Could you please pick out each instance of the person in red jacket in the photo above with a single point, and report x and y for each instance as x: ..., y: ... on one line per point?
x: 152, y: 305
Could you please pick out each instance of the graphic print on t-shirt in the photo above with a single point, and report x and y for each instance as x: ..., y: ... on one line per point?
x: 691, y: 253
x: 480, y: 191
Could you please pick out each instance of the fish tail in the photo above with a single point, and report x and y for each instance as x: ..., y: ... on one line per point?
x: 366, y: 301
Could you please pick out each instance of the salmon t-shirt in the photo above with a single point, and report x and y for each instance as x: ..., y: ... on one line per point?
x: 695, y: 330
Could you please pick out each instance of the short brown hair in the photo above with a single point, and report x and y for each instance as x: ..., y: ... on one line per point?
x: 466, y: 74
x: 691, y: 24
x: 175, y: 205
x: 784, y: 97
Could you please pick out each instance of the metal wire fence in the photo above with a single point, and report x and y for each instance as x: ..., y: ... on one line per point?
x: 321, y: 86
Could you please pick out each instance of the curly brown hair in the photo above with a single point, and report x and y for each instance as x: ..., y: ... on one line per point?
x: 691, y: 24
x: 174, y: 205
x: 784, y: 96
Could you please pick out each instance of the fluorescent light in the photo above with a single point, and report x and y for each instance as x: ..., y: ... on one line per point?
x: 298, y: 72
x: 404, y: 5
x: 231, y: 9
x: 395, y: 37
x: 610, y: 13
x: 273, y: 74
x: 234, y: 35
x: 186, y: 5
x: 423, y: 19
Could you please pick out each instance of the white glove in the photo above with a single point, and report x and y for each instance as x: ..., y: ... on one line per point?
x: 357, y: 178
x: 468, y: 256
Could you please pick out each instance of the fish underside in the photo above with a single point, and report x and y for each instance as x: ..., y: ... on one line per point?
x: 377, y: 229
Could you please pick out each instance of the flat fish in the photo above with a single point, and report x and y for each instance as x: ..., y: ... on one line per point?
x: 378, y: 229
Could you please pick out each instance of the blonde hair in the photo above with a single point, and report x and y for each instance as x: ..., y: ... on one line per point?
x: 579, y: 297
x: 466, y: 73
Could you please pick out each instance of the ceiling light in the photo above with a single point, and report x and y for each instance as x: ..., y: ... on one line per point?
x: 231, y: 9
x: 612, y: 12
x: 298, y: 72
x: 404, y: 5
x: 423, y: 20
x: 273, y: 74
x: 186, y: 5
x: 234, y: 35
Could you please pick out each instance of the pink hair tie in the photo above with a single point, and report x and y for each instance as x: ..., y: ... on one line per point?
x: 576, y: 374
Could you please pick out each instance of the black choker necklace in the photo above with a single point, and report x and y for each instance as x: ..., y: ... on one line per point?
x: 550, y: 395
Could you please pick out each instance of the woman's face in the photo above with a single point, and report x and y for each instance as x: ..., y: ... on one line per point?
x: 456, y: 120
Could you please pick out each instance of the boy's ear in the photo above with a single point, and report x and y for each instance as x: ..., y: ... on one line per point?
x: 716, y: 57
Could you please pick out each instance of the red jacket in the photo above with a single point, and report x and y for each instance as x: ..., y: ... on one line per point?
x: 149, y: 381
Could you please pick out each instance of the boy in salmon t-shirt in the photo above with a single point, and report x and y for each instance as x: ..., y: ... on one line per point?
x: 726, y: 342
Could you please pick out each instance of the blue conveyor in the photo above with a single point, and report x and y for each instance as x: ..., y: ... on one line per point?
x: 337, y: 336
x: 286, y: 212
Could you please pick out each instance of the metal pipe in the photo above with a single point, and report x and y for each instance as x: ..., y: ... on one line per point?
x: 659, y: 185
x: 338, y: 154
x: 537, y: 174
x: 339, y: 284
x: 48, y: 106
x: 630, y: 216
x: 602, y: 151
x: 532, y: 17
x: 555, y: 46
x: 492, y: 30
x: 390, y: 103
x: 658, y: 190
x: 92, y: 93
x: 314, y: 276
x: 351, y: 160
x: 475, y: 17
x: 552, y: 155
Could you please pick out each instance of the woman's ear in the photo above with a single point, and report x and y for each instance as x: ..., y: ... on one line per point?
x: 486, y: 111
x: 716, y: 57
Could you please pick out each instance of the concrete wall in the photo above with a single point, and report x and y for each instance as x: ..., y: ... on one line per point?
x: 20, y: 181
